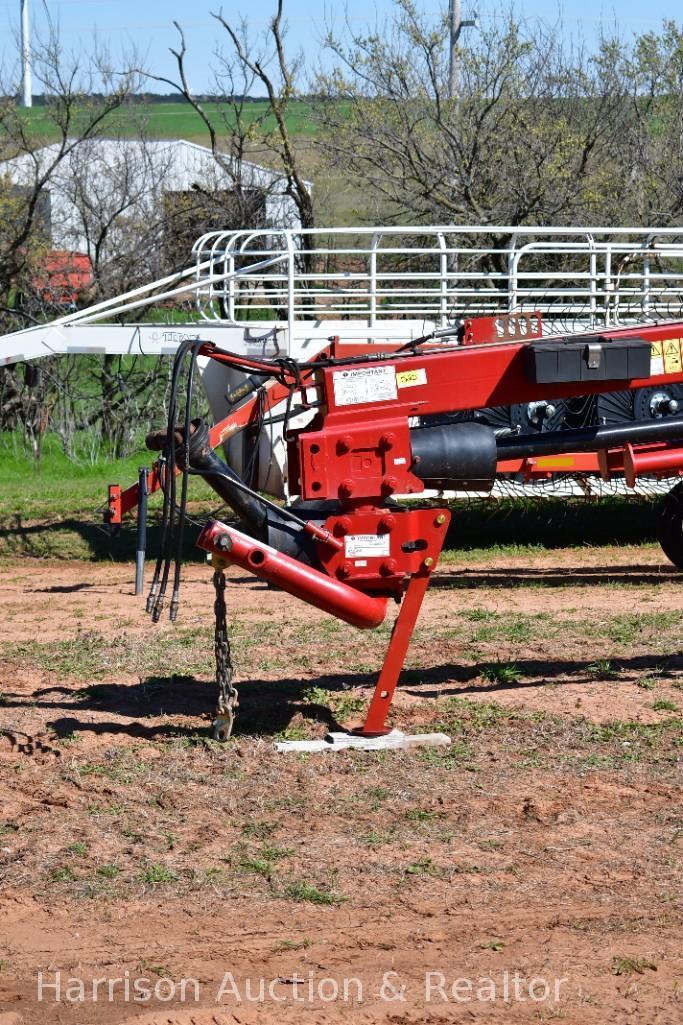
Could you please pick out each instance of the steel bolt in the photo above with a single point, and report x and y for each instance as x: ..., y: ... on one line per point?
x: 346, y: 488
x: 345, y: 443
x: 343, y: 526
x: 388, y: 440
x: 440, y: 519
x: 428, y: 563
x: 224, y: 543
x: 388, y: 567
x: 387, y: 524
x: 389, y: 485
x: 345, y: 569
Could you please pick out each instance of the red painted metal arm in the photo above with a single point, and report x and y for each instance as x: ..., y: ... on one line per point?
x: 310, y: 585
x: 631, y: 461
x: 476, y: 376
x: 122, y: 502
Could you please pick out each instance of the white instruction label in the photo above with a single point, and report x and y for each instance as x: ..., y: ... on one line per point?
x: 358, y: 545
x: 369, y: 384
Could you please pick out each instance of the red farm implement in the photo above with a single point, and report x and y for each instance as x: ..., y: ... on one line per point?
x: 369, y: 430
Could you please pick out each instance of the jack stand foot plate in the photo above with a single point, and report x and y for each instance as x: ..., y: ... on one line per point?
x: 395, y: 740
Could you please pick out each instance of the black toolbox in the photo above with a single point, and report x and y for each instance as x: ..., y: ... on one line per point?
x: 593, y: 359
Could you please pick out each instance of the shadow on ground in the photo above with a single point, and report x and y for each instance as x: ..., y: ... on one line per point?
x: 470, y: 578
x: 82, y: 539
x: 267, y: 707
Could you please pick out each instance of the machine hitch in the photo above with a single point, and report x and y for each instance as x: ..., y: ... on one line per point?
x: 365, y: 611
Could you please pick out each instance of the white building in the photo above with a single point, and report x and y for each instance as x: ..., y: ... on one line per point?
x: 168, y: 190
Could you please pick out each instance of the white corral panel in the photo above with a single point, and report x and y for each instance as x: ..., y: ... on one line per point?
x: 370, y: 285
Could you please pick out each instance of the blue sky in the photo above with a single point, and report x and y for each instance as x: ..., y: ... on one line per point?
x: 148, y: 23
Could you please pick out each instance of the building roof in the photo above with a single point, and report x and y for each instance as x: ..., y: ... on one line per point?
x: 178, y: 161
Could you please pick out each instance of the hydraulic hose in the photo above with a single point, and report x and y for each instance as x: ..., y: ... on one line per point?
x: 217, y: 474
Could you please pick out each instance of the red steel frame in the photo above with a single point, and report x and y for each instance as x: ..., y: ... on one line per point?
x: 358, y: 453
x: 350, y: 604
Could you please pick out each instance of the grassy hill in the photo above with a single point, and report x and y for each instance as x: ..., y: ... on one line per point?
x: 180, y: 121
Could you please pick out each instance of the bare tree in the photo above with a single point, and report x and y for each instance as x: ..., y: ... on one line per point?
x: 280, y: 87
x: 57, y: 194
x: 81, y: 92
x: 540, y: 132
x: 652, y: 156
x: 240, y: 71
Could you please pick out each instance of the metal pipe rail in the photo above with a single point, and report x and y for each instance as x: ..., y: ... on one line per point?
x: 377, y: 283
x: 578, y: 277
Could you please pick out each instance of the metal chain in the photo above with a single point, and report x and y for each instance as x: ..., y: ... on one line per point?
x: 227, y: 694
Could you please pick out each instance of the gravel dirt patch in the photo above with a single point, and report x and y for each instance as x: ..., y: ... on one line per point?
x: 546, y: 843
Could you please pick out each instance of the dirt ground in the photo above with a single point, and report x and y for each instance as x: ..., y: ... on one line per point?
x: 530, y: 872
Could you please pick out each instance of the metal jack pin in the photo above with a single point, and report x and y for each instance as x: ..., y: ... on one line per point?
x: 152, y: 597
x: 142, y: 530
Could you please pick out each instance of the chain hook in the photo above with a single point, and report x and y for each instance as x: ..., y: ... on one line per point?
x: 228, y: 699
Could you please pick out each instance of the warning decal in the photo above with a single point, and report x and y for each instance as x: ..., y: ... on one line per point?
x: 672, y: 356
x: 358, y: 545
x: 369, y: 384
x: 656, y: 358
x: 666, y: 357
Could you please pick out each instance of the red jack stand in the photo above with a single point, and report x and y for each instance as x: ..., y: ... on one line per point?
x: 375, y: 721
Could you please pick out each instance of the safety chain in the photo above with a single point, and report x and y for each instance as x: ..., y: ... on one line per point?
x: 227, y: 695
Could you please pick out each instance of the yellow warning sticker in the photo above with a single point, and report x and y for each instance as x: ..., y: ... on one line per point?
x: 672, y: 356
x: 411, y: 378
x: 656, y: 359
x: 555, y: 462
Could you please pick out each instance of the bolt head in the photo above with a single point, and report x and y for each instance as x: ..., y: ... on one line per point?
x: 224, y: 543
x: 343, y: 526
x: 428, y: 563
x: 388, y: 567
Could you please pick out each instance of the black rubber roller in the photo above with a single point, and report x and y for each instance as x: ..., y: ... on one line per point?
x: 455, y: 457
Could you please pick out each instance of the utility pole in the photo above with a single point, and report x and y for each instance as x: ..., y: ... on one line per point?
x: 456, y: 25
x: 26, y: 56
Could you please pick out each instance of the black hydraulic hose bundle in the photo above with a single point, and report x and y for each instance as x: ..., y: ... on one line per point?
x: 157, y: 593
x: 183, y: 491
x: 197, y: 457
x: 185, y: 446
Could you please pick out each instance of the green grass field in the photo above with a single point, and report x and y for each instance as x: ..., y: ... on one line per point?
x: 180, y: 121
x: 56, y: 486
x: 54, y: 509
